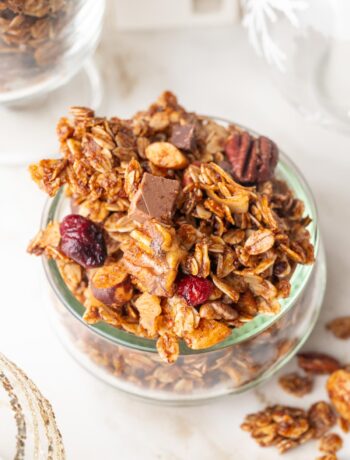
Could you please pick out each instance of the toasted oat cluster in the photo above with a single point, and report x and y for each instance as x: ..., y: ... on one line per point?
x: 28, y: 33
x: 179, y: 227
x: 288, y: 427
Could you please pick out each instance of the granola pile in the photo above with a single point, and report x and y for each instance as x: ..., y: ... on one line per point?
x: 179, y: 227
x: 288, y: 427
x: 29, y: 31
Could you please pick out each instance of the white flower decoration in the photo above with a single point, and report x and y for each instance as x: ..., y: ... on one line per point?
x: 259, y: 14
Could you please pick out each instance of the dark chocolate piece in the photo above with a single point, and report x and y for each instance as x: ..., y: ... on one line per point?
x: 183, y: 137
x: 155, y: 199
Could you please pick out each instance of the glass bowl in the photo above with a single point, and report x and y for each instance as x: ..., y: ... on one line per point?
x: 43, y: 44
x: 250, y: 355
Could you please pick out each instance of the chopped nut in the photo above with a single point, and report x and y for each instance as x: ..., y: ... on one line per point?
x: 296, y: 384
x: 168, y: 348
x: 207, y: 334
x: 317, y: 363
x: 111, y: 285
x: 185, y: 317
x: 152, y: 257
x: 149, y: 309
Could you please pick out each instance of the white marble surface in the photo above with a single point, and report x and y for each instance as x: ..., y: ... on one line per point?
x: 213, y: 71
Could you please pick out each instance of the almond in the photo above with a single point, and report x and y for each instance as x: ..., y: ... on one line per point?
x: 166, y: 155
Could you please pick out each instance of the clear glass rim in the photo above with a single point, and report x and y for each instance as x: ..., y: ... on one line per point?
x: 292, y: 175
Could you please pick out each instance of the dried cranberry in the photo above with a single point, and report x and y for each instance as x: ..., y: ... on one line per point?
x: 82, y: 240
x: 194, y: 289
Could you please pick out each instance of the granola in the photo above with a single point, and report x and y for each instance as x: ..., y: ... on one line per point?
x: 31, y: 35
x: 280, y: 426
x: 288, y: 427
x: 220, y: 248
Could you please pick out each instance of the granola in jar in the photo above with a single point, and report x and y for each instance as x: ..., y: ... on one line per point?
x: 181, y: 233
x: 43, y: 43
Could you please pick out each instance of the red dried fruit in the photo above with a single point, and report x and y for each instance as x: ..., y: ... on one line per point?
x: 195, y: 290
x: 83, y: 241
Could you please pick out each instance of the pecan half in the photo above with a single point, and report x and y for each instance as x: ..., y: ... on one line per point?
x: 317, y: 363
x: 296, y: 384
x: 252, y: 160
x: 340, y: 327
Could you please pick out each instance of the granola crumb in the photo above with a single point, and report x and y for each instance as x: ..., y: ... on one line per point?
x: 340, y: 327
x: 330, y: 443
x: 296, y: 384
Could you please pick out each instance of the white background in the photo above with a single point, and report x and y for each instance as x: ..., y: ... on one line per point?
x: 213, y: 71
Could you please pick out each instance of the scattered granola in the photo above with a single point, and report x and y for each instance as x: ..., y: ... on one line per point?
x: 296, y: 384
x: 317, y: 363
x: 280, y: 426
x: 287, y: 427
x: 331, y: 443
x: 340, y: 327
x: 199, y: 251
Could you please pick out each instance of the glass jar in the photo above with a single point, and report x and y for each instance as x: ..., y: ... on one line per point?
x: 44, y: 43
x: 252, y: 353
x: 306, y: 45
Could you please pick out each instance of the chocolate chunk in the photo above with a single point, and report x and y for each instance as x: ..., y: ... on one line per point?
x: 183, y: 137
x: 155, y: 199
